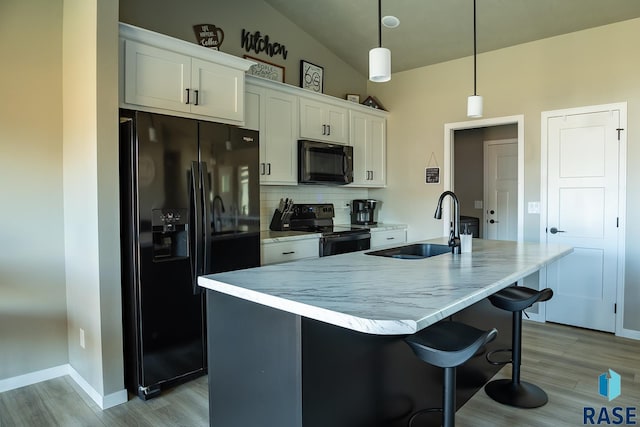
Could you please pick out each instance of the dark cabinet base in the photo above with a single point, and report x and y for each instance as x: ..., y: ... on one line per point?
x: 268, y: 367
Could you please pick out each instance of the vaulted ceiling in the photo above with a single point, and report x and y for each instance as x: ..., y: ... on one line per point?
x: 433, y: 31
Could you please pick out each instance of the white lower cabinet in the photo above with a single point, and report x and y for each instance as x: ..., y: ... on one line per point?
x: 283, y: 251
x: 388, y: 237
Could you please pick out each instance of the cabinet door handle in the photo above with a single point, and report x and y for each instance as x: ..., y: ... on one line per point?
x: 288, y: 253
x: 268, y: 168
x: 261, y: 168
x: 196, y: 101
x: 329, y: 129
x: 187, y: 96
x: 324, y: 129
x: 391, y: 238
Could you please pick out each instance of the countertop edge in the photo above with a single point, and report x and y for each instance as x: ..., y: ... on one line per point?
x: 398, y: 326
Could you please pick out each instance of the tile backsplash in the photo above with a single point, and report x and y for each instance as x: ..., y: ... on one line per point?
x: 341, y: 198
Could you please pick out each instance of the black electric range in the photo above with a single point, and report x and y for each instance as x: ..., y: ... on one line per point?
x: 336, y: 239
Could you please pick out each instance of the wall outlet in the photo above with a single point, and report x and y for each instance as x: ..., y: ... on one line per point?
x: 82, y: 338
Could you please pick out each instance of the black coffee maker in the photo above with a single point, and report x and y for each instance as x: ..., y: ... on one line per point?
x: 363, y: 211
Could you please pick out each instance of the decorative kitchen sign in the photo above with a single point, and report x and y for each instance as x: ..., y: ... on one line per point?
x: 432, y: 176
x: 432, y: 173
x: 311, y: 76
x: 258, y: 43
x: 266, y: 69
x: 208, y: 35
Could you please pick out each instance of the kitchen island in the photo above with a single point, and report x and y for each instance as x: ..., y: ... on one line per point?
x: 319, y: 342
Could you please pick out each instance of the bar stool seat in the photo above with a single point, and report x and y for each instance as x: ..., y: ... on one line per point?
x: 514, y: 392
x: 447, y: 344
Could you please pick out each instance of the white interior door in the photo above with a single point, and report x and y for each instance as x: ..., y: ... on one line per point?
x: 582, y: 211
x: 501, y: 190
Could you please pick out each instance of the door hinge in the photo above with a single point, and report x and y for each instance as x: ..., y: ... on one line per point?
x: 619, y: 130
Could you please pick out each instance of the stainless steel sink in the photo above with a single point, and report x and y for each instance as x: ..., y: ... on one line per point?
x: 413, y: 251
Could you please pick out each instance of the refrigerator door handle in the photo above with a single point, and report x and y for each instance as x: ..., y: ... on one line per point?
x: 196, y: 229
x: 207, y: 218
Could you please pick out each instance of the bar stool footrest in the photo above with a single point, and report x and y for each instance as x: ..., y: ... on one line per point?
x: 496, y: 362
x: 520, y: 395
x: 421, y: 412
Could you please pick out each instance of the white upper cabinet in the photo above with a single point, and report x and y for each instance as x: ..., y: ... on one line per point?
x: 163, y: 74
x: 323, y: 121
x: 275, y: 114
x: 368, y: 137
x: 219, y: 90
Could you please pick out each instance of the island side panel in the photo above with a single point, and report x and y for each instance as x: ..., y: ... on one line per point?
x: 254, y: 358
x: 352, y: 379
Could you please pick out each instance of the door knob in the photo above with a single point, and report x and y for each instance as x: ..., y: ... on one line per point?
x: 492, y: 211
x: 493, y: 221
x: 554, y: 230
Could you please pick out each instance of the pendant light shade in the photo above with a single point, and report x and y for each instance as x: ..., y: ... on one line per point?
x: 380, y: 64
x: 474, y: 106
x: 474, y: 103
x: 379, y: 57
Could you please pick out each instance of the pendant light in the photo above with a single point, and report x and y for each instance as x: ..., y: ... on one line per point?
x: 474, y: 102
x: 379, y: 57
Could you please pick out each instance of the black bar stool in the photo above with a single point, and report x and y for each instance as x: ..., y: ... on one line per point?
x: 512, y: 391
x: 447, y: 345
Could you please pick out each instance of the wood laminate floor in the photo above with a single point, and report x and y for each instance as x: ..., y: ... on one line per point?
x: 564, y: 361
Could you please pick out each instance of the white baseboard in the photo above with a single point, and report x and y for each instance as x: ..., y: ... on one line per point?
x: 104, y: 402
x: 629, y: 333
x: 33, y: 378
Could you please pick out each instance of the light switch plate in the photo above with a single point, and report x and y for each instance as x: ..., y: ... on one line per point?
x: 477, y: 204
x: 533, y: 207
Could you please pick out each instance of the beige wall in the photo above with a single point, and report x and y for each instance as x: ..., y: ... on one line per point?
x: 90, y: 164
x: 596, y: 66
x: 177, y: 18
x: 33, y: 317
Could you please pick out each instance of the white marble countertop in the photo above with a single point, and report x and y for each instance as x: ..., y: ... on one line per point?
x: 387, y: 296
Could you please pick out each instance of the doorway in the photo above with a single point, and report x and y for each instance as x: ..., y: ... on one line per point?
x: 501, y: 189
x: 455, y: 148
x: 583, y: 172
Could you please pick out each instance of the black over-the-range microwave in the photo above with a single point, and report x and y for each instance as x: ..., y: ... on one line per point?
x: 324, y: 163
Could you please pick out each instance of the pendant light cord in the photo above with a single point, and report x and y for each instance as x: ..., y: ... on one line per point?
x: 474, y: 48
x: 380, y: 23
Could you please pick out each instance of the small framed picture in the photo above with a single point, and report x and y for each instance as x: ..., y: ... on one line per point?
x: 353, y: 98
x: 311, y: 76
x: 266, y: 69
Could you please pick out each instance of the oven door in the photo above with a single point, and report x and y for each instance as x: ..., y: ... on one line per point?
x: 341, y: 244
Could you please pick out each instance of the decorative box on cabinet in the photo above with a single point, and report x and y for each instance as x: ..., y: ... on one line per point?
x: 323, y: 121
x: 368, y: 137
x: 290, y: 250
x: 163, y: 74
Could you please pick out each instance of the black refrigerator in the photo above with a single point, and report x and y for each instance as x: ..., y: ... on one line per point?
x: 190, y: 205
